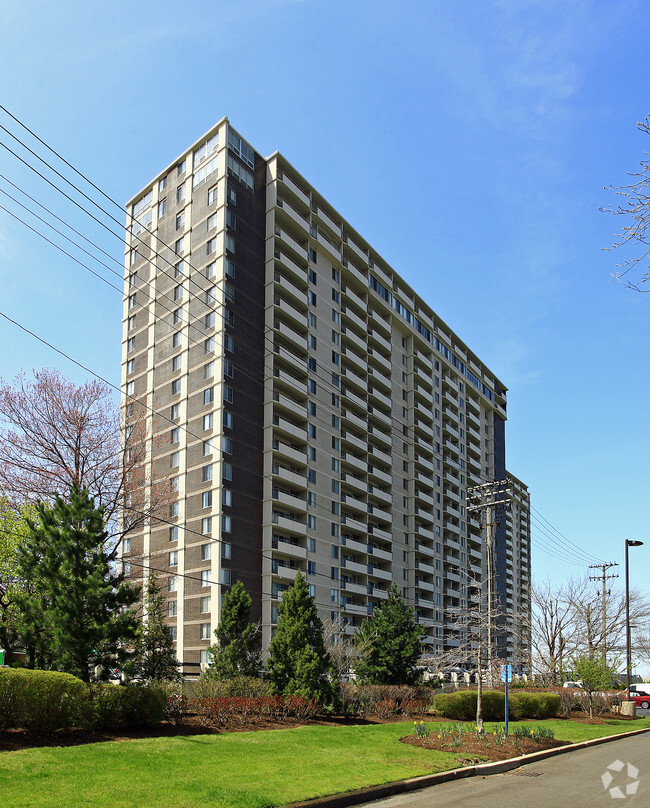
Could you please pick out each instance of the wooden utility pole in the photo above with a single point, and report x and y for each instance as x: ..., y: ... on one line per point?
x: 603, y: 577
x: 487, y: 497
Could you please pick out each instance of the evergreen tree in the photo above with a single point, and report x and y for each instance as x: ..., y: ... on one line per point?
x: 238, y: 650
x: 155, y: 656
x: 390, y: 642
x: 298, y: 661
x: 74, y: 614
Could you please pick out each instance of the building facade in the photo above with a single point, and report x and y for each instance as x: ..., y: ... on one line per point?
x: 306, y: 410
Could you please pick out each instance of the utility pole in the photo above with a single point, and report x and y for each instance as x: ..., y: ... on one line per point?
x: 487, y: 497
x: 603, y: 577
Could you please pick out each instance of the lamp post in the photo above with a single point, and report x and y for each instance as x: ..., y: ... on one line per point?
x: 628, y: 543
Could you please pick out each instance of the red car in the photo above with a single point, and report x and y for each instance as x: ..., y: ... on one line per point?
x: 641, y: 700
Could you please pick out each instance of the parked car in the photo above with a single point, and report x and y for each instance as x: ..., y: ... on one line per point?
x: 577, y: 684
x: 641, y: 700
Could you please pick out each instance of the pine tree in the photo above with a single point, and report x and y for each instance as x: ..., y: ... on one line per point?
x: 238, y: 650
x: 155, y: 656
x: 391, y: 643
x: 74, y: 613
x: 298, y: 661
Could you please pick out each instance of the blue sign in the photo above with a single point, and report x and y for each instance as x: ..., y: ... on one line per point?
x: 506, y: 673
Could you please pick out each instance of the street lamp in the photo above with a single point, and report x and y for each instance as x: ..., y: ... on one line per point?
x: 628, y: 543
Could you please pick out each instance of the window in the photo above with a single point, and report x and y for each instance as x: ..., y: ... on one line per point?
x: 312, y: 255
x: 226, y: 497
x: 230, y: 269
x: 126, y: 567
x: 130, y: 388
x: 313, y: 320
x: 173, y: 509
x: 226, y: 471
x: 180, y: 193
x: 311, y: 453
x: 227, y: 393
x: 311, y: 430
x: 311, y: 341
x: 212, y: 195
x: 175, y: 434
x: 205, y: 578
x: 312, y: 276
x: 335, y: 316
x: 207, y: 447
x: 162, y: 208
x: 177, y: 316
x: 130, y: 344
x: 176, y: 363
x: 232, y: 195
x: 228, y: 368
x: 226, y: 445
x: 205, y: 605
x: 172, y: 608
x: 311, y: 364
x: 132, y: 300
x: 225, y: 577
x: 226, y: 550
x: 311, y: 545
x: 162, y: 184
x: 208, y: 345
x: 230, y: 244
x: 208, y: 421
x: 212, y: 221
x: 180, y: 220
x: 130, y: 366
x: 206, y: 149
x: 231, y: 220
x: 206, y: 551
x: 335, y: 358
x: 176, y: 387
x: 226, y: 523
x: 312, y: 298
x: 228, y: 343
x: 173, y: 633
x: 208, y: 395
x: 173, y: 558
x: 179, y: 245
x: 230, y: 292
x: 335, y: 275
x: 133, y: 256
x: 177, y: 340
x: 335, y: 295
x: 311, y: 568
x: 206, y: 473
x: 211, y: 246
x: 178, y: 292
x: 174, y: 483
x: 209, y: 320
x: 311, y: 522
x: 206, y: 525
x: 206, y: 499
x: 173, y: 533
x: 241, y: 149
x: 181, y: 167
x: 206, y: 170
x: 126, y: 545
x: 173, y: 583
x: 335, y: 337
x: 210, y: 272
x: 205, y: 631
x: 175, y: 412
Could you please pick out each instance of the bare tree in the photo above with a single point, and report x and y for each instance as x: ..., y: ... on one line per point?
x: 636, y: 208
x: 553, y: 628
x: 55, y: 434
x: 343, y: 650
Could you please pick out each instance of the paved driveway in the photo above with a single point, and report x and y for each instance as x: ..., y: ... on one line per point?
x: 572, y: 780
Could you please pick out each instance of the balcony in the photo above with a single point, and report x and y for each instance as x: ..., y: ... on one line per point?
x: 424, y: 585
x: 289, y: 499
x: 354, y: 298
x: 289, y: 476
x: 299, y: 340
x: 355, y: 249
x: 380, y: 513
x: 298, y: 294
x: 284, y: 239
x: 290, y: 525
x: 297, y: 385
x: 374, y: 337
x: 286, y: 547
x: 289, y: 428
x: 358, y: 484
x: 354, y: 504
x: 380, y: 533
x: 354, y: 566
x: 352, y: 378
x: 351, y: 439
x: 376, y: 552
x: 351, y: 418
x: 295, y: 189
x: 354, y: 361
x: 297, y: 218
x: 284, y: 449
x: 376, y: 414
x: 347, y: 314
x: 423, y: 549
x: 355, y: 399
x: 381, y: 398
x: 383, y: 496
x: 354, y: 545
x: 420, y: 530
x: 383, y: 476
x: 355, y: 589
x: 299, y: 317
x: 377, y: 572
x: 352, y: 460
x: 354, y: 524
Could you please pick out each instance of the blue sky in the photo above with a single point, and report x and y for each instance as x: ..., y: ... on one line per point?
x: 469, y: 143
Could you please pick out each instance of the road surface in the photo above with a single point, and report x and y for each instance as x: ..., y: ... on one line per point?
x: 573, y: 780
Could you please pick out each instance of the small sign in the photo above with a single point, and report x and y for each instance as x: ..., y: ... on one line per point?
x: 506, y: 673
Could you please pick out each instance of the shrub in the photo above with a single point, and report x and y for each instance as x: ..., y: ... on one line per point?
x: 246, y: 709
x: 239, y: 686
x: 40, y: 700
x: 125, y: 706
x: 533, y: 705
x: 383, y: 700
x: 461, y: 705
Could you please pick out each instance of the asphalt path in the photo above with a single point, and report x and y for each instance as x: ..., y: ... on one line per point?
x: 571, y: 780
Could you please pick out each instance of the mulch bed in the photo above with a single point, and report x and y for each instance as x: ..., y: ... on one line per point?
x: 473, y: 749
x: 16, y: 739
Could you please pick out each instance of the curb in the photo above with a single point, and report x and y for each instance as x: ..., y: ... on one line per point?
x: 371, y: 793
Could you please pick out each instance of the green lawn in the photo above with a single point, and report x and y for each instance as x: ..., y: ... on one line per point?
x: 238, y: 770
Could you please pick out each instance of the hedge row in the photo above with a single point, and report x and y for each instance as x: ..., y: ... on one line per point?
x: 461, y: 706
x: 48, y: 700
x: 383, y: 700
x: 248, y: 710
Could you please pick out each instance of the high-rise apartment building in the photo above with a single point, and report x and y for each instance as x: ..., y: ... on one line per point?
x: 309, y: 411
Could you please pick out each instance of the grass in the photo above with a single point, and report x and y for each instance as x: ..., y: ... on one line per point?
x: 236, y: 770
